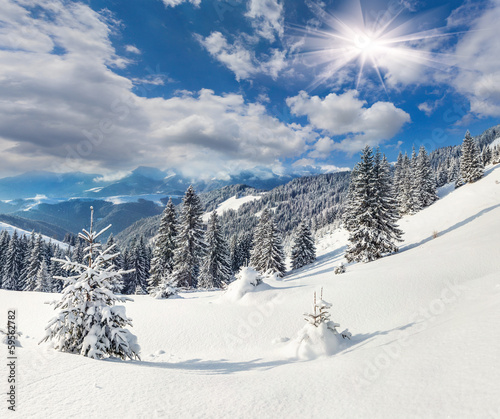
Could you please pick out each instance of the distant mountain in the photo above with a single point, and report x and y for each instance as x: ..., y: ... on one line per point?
x: 73, y: 215
x: 141, y: 181
x: 47, y: 229
x: 50, y: 184
x: 147, y: 180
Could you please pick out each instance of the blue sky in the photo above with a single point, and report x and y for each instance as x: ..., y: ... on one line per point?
x: 213, y: 87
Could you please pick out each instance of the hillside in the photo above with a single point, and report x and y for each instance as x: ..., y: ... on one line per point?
x: 424, y: 324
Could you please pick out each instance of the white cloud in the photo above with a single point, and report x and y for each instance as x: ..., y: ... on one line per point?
x: 235, y: 57
x: 132, y: 49
x: 62, y: 111
x: 426, y: 107
x: 173, y: 3
x: 240, y: 59
x: 267, y: 18
x: 345, y: 114
x: 477, y: 57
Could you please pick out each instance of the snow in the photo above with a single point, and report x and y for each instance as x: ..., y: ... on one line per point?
x: 20, y: 231
x: 494, y: 143
x: 424, y: 324
x: 232, y: 203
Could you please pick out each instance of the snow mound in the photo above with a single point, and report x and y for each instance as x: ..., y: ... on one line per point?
x: 314, y: 342
x: 247, y: 280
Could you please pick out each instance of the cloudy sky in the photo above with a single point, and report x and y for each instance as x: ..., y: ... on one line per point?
x: 212, y: 87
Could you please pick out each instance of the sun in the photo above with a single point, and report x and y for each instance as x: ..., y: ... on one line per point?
x: 355, y: 44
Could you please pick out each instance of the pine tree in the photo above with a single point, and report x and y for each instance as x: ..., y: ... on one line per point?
x: 471, y: 167
x: 404, y: 187
x: 162, y: 263
x: 33, y: 266
x: 118, y: 261
x: 140, y: 264
x: 386, y: 206
x: 304, y: 250
x: 89, y: 321
x: 372, y: 210
x: 414, y: 202
x: 190, y: 246
x: 425, y: 185
x: 268, y: 256
x: 43, y: 279
x: 13, y: 264
x: 56, y: 271
x: 495, y: 158
x: 216, y: 268
x: 257, y: 257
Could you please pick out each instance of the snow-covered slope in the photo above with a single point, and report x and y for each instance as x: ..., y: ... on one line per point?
x: 232, y: 203
x: 20, y: 231
x: 425, y: 325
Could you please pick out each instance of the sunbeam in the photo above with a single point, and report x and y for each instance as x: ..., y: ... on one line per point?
x: 353, y: 43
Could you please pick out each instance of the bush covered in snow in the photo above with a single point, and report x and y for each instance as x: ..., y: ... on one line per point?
x: 339, y: 269
x: 247, y: 279
x: 6, y: 338
x: 164, y: 290
x: 320, y: 336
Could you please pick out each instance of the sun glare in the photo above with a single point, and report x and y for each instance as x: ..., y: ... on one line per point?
x: 355, y: 43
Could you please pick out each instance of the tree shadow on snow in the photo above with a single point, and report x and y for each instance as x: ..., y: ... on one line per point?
x: 212, y: 367
x: 361, y: 339
x: 450, y: 229
x: 321, y: 261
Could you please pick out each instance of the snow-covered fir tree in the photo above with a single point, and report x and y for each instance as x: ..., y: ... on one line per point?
x: 495, y: 156
x: 267, y: 255
x: 404, y: 186
x: 43, y: 279
x: 386, y: 213
x: 190, y: 246
x: 471, y: 165
x: 241, y: 255
x: 33, y: 266
x: 13, y: 264
x: 425, y: 183
x: 216, y: 268
x: 414, y: 201
x: 372, y: 211
x: 303, y: 250
x: 320, y: 317
x: 89, y: 322
x: 140, y: 265
x: 162, y: 262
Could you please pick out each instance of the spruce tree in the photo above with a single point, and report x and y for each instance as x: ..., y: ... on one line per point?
x: 140, y: 266
x: 257, y: 257
x: 471, y: 166
x: 216, y: 268
x: 386, y: 212
x: 304, y: 250
x: 13, y: 264
x: 243, y: 250
x: 190, y: 246
x: 372, y: 210
x: 43, y: 279
x: 89, y: 322
x: 268, y: 256
x: 33, y: 266
x: 162, y: 263
x: 425, y: 185
x: 414, y: 202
